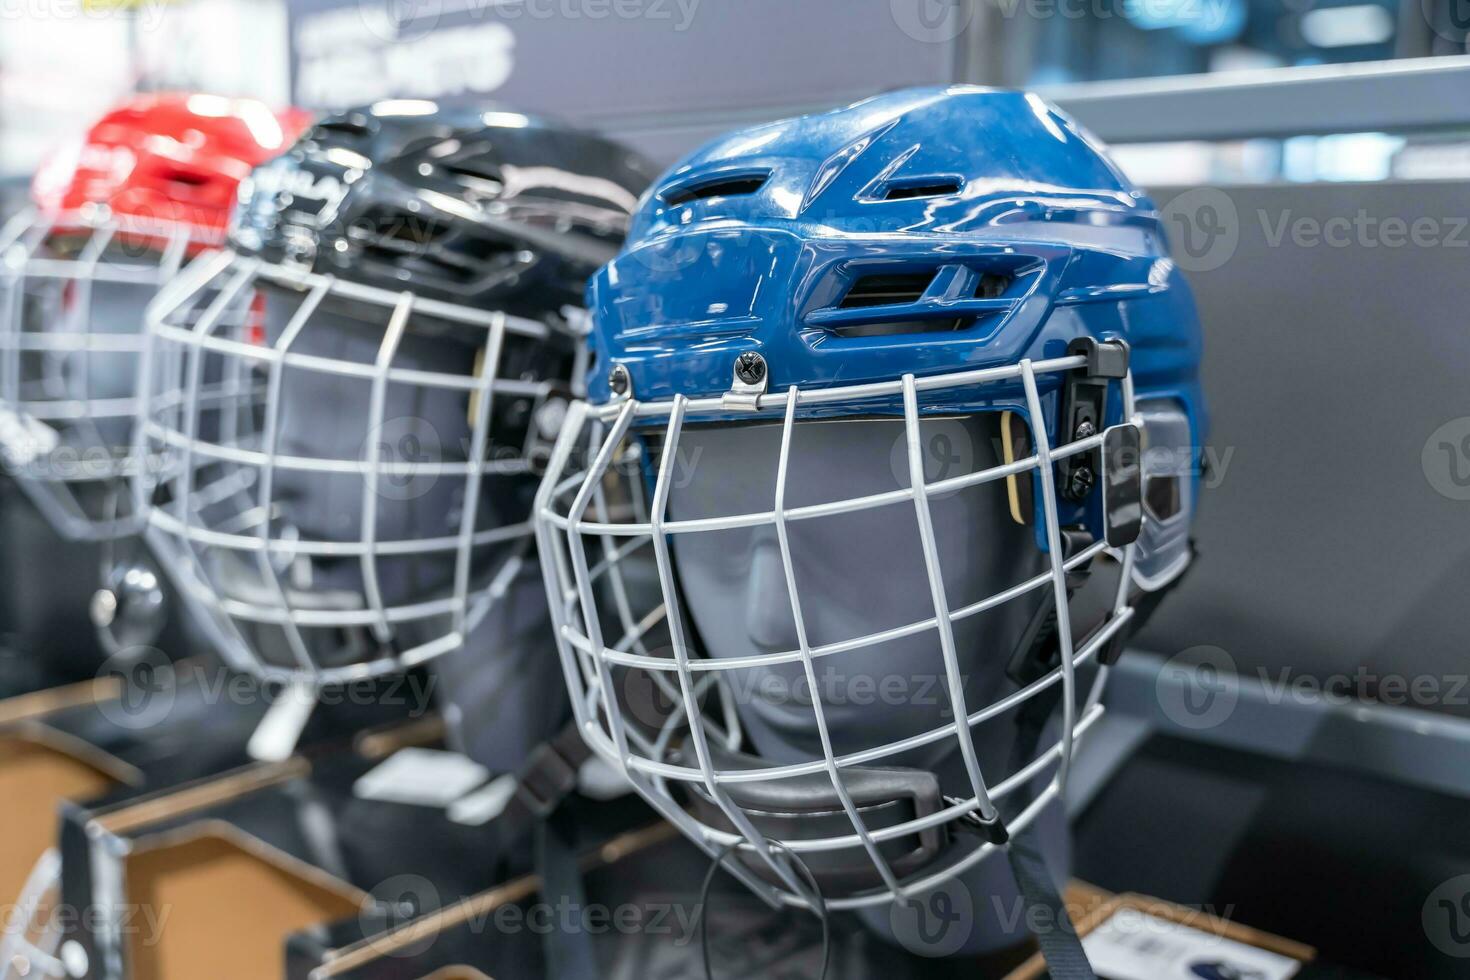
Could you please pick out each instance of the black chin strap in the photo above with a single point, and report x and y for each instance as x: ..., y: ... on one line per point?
x: 569, y: 955
x: 535, y: 813
x: 1053, y: 928
x: 1061, y: 947
x: 1038, y: 653
x: 1056, y: 934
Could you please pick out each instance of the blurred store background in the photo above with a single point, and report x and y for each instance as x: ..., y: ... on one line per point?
x: 666, y: 73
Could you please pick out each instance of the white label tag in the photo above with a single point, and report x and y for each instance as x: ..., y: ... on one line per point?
x: 598, y: 780
x: 421, y: 777
x: 1133, y: 945
x: 485, y: 803
x: 275, y: 738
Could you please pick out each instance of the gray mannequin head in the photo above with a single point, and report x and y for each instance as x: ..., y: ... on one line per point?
x: 860, y: 574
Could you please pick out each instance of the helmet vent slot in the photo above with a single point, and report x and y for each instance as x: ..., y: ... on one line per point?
x: 892, y: 289
x: 893, y: 328
x: 729, y: 186
x: 475, y: 166
x: 184, y: 178
x: 350, y: 128
x: 395, y: 229
x: 1162, y: 497
x: 485, y: 249
x: 922, y: 187
x: 993, y: 285
x: 910, y: 298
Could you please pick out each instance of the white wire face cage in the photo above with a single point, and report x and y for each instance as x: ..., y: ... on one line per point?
x: 73, y: 288
x: 358, y: 500
x: 609, y: 537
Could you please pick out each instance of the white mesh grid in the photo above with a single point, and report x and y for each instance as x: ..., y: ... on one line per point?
x: 213, y: 505
x: 588, y: 550
x: 68, y: 356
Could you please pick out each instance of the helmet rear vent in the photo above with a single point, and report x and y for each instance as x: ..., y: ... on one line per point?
x: 475, y: 162
x: 909, y: 298
x: 473, y: 170
x: 726, y: 186
x: 893, y: 328
x: 891, y: 289
x: 993, y: 285
x: 392, y: 228
x: 350, y: 128
x: 922, y: 187
x: 186, y: 178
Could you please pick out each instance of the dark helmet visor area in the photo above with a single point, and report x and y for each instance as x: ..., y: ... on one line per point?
x: 363, y: 498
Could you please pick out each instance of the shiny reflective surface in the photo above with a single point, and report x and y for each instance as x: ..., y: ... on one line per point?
x: 459, y: 204
x: 1021, y: 198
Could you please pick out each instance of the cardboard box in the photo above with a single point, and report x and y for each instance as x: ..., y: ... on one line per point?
x: 40, y: 769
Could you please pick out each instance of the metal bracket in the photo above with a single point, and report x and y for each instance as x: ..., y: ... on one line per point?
x: 994, y: 830
x: 749, y: 381
x: 1084, y: 402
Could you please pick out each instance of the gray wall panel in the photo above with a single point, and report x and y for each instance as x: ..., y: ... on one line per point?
x: 1338, y: 535
x: 1394, y: 96
x: 667, y: 73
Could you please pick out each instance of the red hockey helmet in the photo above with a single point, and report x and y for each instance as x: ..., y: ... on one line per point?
x: 174, y: 158
x: 115, y: 215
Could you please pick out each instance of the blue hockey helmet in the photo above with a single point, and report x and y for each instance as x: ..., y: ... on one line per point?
x: 896, y: 387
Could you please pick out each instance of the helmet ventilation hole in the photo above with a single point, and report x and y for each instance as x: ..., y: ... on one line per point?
x: 737, y: 186
x: 922, y: 187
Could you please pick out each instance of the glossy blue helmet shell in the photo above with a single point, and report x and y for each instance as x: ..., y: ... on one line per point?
x: 997, y: 230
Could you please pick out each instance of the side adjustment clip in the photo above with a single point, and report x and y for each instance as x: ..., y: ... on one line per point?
x: 1084, y: 405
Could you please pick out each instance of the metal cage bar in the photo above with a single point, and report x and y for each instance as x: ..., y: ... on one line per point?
x: 885, y: 871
